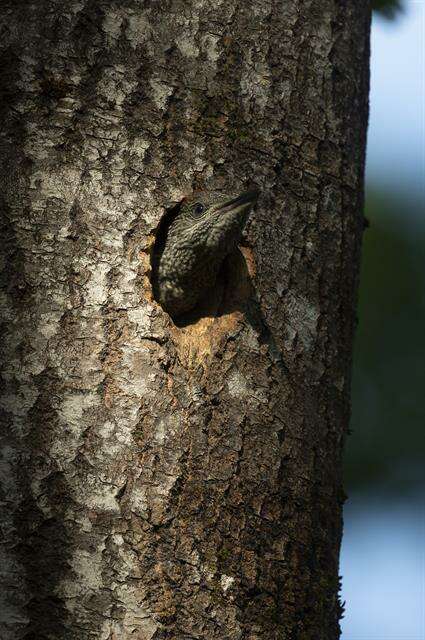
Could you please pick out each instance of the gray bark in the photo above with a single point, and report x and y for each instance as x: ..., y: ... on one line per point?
x: 164, y: 481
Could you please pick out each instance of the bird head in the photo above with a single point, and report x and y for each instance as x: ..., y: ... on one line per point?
x: 212, y: 221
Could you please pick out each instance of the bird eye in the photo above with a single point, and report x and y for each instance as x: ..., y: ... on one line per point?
x: 198, y: 209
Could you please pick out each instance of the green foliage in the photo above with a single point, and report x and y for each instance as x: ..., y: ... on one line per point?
x: 388, y: 8
x: 388, y: 414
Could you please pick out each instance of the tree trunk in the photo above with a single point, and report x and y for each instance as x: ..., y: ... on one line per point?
x: 165, y: 480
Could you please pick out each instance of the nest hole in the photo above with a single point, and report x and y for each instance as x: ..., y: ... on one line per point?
x: 161, y: 235
x: 230, y: 291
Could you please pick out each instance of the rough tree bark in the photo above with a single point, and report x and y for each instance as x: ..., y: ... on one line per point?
x: 166, y: 481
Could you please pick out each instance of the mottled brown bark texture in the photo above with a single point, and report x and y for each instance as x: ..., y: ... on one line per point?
x: 163, y: 481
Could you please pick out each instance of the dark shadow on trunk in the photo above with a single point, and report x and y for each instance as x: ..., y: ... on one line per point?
x: 42, y: 544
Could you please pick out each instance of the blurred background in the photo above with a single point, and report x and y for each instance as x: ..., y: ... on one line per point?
x: 383, y: 555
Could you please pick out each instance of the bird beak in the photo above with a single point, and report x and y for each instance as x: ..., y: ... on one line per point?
x: 243, y: 202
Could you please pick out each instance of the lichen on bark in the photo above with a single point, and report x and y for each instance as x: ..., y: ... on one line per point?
x: 164, y: 481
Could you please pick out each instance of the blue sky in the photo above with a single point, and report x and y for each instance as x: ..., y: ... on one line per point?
x: 396, y: 141
x: 383, y: 569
